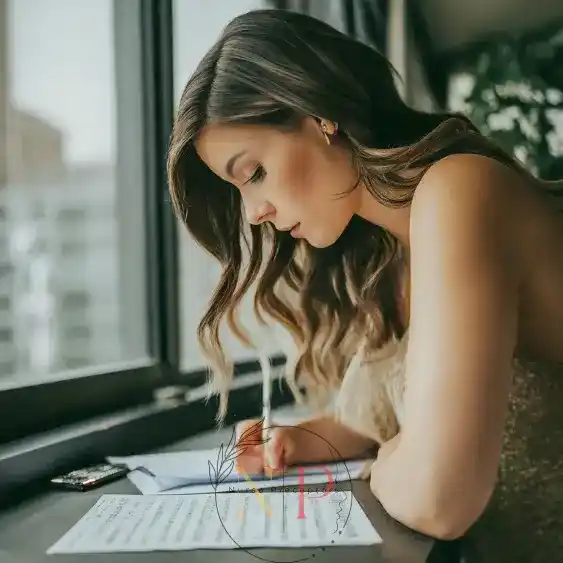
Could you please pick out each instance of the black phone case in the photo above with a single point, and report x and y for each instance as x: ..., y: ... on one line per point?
x: 86, y: 482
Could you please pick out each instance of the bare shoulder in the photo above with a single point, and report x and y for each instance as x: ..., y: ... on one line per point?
x: 467, y: 181
x: 468, y: 196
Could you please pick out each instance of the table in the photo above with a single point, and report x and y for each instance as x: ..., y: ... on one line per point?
x: 29, y: 529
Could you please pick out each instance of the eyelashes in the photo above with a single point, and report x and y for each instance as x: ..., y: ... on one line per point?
x: 258, y: 175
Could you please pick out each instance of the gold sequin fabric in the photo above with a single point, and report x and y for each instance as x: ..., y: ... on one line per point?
x: 524, y: 519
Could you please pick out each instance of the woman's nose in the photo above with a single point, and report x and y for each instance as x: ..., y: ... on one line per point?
x: 258, y: 213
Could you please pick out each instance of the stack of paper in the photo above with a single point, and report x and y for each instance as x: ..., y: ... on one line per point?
x: 205, y: 471
x: 134, y: 523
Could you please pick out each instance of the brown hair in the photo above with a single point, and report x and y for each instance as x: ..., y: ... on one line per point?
x: 273, y: 67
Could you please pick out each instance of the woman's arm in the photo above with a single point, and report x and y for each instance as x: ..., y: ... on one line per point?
x: 438, y: 475
x: 323, y: 439
x: 317, y: 440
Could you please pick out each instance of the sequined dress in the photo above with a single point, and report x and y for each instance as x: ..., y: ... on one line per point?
x: 524, y: 520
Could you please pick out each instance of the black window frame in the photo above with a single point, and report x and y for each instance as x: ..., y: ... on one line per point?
x: 40, y: 406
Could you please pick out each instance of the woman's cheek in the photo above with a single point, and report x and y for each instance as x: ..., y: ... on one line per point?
x: 303, y: 180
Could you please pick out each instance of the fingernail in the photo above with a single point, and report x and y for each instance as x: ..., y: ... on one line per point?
x: 270, y: 461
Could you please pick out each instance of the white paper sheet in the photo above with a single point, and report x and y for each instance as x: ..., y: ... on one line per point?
x: 148, y: 486
x: 136, y: 523
x: 189, y: 472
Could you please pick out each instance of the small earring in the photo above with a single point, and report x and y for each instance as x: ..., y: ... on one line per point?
x: 329, y: 129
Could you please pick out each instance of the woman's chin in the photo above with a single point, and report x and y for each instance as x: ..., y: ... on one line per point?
x: 321, y: 242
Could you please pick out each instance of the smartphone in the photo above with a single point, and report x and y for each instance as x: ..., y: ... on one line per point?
x: 91, y: 477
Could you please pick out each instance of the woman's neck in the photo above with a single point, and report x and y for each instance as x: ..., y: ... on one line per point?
x: 394, y: 220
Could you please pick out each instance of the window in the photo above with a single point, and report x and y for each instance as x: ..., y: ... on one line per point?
x: 77, y: 230
x: 197, y: 25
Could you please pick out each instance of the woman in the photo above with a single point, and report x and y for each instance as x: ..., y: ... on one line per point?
x: 380, y: 222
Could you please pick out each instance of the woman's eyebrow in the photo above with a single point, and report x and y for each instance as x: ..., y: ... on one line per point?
x: 231, y: 163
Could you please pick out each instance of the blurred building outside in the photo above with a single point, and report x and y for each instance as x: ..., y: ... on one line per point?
x: 58, y: 254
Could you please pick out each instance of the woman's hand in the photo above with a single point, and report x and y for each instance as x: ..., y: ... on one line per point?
x: 252, y: 458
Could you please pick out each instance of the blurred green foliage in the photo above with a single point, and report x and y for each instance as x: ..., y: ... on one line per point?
x: 517, y: 93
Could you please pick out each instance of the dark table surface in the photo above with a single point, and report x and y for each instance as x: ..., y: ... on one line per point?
x: 29, y: 529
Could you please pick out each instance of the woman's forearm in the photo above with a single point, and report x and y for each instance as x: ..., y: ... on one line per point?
x: 411, y: 493
x: 323, y: 439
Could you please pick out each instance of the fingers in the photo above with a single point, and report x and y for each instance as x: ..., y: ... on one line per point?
x: 249, y: 436
x: 279, y: 450
x: 249, y: 430
x: 248, y: 441
x: 250, y: 464
x: 276, y: 449
x: 271, y: 458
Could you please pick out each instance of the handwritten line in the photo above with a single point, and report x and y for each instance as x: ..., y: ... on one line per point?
x: 257, y: 493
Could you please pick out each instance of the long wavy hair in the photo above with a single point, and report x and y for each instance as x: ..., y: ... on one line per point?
x: 273, y: 68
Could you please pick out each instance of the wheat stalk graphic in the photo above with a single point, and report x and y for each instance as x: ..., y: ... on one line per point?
x: 227, y: 455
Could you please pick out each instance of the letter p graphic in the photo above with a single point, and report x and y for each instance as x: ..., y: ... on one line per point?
x: 329, y: 488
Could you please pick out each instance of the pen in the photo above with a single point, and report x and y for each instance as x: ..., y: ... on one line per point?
x: 266, y: 403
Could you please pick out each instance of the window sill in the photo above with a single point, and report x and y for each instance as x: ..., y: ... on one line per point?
x: 26, y: 465
x: 80, y: 395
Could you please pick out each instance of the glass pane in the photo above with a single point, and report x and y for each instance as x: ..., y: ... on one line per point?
x: 72, y: 291
x: 197, y: 24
